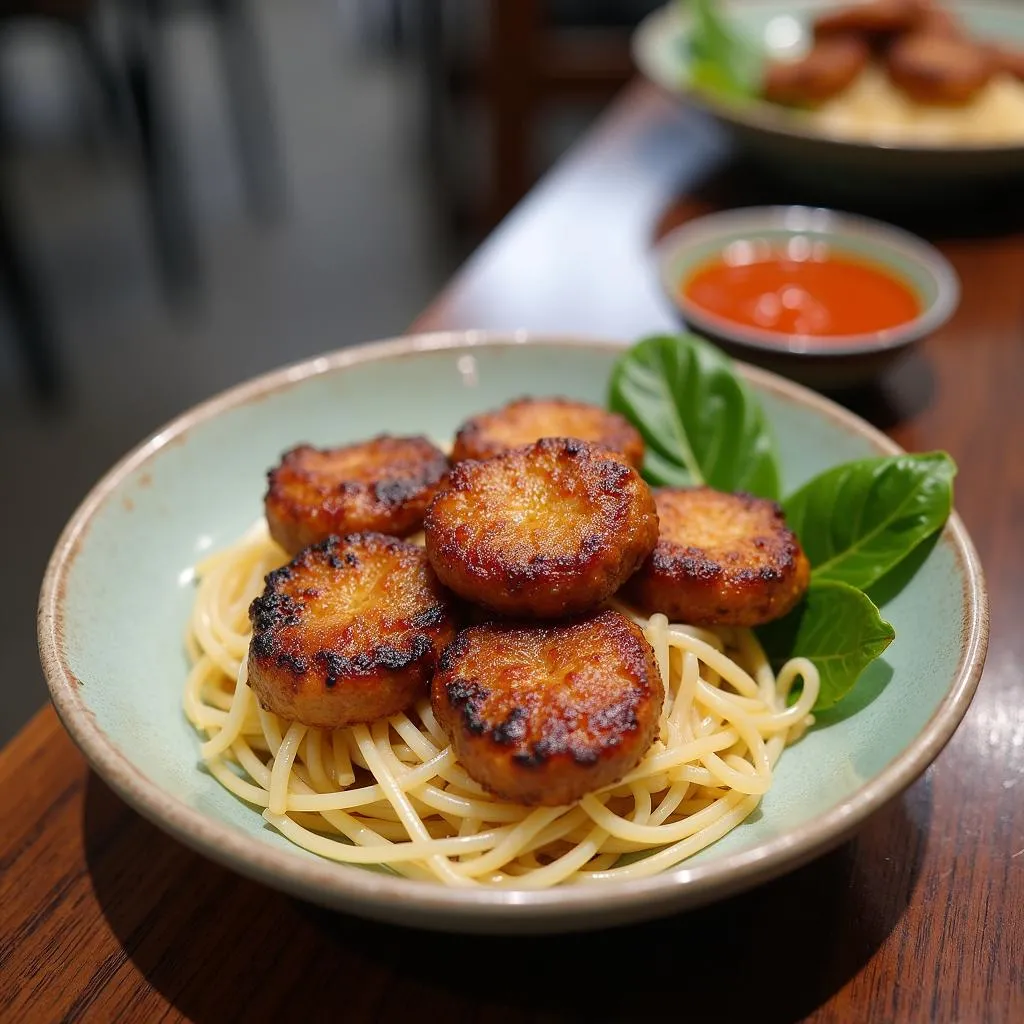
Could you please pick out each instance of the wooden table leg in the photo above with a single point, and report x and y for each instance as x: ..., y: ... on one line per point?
x: 515, y: 27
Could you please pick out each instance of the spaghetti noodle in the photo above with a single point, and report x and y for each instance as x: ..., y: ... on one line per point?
x: 392, y: 794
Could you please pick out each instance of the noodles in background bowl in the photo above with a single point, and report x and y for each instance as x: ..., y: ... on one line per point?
x: 392, y: 794
x: 872, y: 109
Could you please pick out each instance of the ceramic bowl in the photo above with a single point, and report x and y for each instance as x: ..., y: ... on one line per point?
x: 119, y: 587
x: 826, y: 164
x: 833, y: 363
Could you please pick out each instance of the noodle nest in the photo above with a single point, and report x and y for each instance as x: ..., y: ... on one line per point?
x: 391, y: 794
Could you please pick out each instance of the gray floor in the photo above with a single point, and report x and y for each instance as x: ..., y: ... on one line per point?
x: 358, y: 254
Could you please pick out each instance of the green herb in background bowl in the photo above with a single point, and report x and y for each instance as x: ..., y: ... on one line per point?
x: 721, y: 59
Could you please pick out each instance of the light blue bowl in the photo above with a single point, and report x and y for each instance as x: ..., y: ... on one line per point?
x: 118, y: 590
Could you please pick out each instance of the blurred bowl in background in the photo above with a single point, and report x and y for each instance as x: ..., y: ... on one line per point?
x: 831, y: 167
x: 863, y: 254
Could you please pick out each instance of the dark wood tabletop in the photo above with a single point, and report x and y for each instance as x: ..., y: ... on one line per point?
x: 920, y: 917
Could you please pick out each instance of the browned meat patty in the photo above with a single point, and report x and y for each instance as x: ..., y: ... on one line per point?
x: 721, y: 560
x: 543, y: 714
x: 348, y: 632
x: 832, y: 66
x: 382, y: 485
x: 548, y: 530
x: 874, y: 18
x: 528, y: 419
x: 938, y: 71
x: 937, y: 20
x: 1008, y: 60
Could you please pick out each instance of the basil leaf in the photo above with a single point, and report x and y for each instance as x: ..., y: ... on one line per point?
x: 699, y: 420
x: 722, y: 60
x: 859, y: 520
x: 838, y: 628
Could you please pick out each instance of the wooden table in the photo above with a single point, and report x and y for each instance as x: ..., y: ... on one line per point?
x: 921, y: 917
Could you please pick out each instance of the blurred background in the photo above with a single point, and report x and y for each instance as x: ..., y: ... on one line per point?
x: 195, y: 191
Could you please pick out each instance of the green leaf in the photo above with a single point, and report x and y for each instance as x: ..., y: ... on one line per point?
x: 722, y: 60
x: 699, y: 420
x: 858, y: 521
x: 838, y: 628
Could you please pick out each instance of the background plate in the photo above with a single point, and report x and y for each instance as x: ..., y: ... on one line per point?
x: 795, y: 146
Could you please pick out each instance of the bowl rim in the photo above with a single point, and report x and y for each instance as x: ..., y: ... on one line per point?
x: 429, y: 904
x: 761, y: 115
x: 820, y: 220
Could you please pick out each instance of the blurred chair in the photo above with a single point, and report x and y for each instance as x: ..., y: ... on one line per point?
x: 537, y: 53
x: 33, y: 334
x: 139, y: 67
x: 150, y: 82
x: 541, y: 53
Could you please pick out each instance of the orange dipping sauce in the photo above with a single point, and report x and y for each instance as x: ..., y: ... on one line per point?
x: 800, y: 288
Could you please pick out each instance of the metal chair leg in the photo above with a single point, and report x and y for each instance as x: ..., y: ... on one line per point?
x: 248, y: 95
x: 102, y: 68
x: 36, y: 347
x: 170, y: 211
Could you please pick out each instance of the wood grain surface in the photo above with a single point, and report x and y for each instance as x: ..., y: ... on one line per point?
x: 921, y: 917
